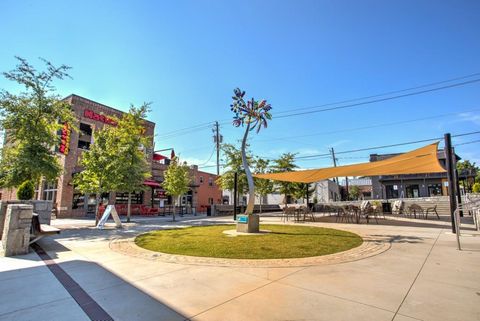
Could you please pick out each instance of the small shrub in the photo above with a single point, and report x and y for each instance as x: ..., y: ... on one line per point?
x: 476, y: 188
x: 26, y: 191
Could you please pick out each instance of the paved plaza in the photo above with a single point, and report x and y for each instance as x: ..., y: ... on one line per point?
x: 411, y: 271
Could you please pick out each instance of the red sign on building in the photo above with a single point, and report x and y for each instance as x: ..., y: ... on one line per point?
x: 104, y: 119
x: 64, y: 147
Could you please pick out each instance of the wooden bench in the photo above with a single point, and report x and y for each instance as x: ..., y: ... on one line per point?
x: 37, y: 230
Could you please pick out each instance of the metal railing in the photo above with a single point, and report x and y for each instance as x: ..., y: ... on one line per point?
x: 468, y: 205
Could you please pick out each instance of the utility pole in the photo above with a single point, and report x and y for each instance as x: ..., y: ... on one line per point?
x: 217, y: 139
x: 450, y: 162
x: 332, y: 151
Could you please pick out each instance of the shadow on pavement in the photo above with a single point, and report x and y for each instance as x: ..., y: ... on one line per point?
x: 35, y: 293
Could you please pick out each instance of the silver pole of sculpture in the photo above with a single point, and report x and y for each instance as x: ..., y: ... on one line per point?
x: 254, y: 115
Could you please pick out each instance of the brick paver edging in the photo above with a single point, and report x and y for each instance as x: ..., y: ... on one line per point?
x: 370, y: 247
x: 91, y: 308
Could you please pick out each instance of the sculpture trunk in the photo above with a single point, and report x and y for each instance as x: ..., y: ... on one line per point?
x: 251, y: 186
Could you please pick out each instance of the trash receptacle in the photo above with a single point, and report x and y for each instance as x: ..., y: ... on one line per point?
x: 386, y: 207
x: 209, y: 211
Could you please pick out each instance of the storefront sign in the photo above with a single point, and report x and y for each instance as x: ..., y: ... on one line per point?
x: 64, y: 147
x: 104, y: 119
x: 161, y: 194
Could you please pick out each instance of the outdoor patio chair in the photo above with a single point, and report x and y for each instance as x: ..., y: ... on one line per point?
x: 369, y: 213
x: 306, y: 212
x: 288, y: 211
x: 415, y: 209
x: 342, y: 214
x: 365, y: 205
x: 433, y: 210
x: 398, y: 207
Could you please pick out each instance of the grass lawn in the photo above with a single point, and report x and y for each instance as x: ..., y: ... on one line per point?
x: 284, y: 241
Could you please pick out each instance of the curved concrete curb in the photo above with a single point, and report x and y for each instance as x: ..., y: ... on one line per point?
x: 370, y: 247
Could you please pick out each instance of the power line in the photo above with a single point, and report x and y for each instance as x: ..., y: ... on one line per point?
x: 386, y: 146
x: 226, y: 121
x: 472, y: 142
x: 202, y: 126
x: 385, y: 93
x: 174, y: 132
x: 379, y: 100
x: 367, y: 127
x: 182, y: 133
x: 211, y: 155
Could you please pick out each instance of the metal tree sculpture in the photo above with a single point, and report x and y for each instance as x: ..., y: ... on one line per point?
x: 255, y: 115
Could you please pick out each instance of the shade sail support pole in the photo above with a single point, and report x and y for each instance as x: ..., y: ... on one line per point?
x: 451, y: 179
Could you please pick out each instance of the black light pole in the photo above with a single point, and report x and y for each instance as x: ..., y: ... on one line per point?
x: 235, y: 178
x: 451, y: 178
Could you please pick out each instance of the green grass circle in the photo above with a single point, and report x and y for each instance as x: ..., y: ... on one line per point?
x: 284, y: 241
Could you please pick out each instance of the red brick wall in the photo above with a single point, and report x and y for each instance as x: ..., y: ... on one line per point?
x: 205, y: 191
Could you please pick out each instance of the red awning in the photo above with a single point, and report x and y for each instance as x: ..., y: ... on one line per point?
x: 151, y: 183
x: 157, y: 157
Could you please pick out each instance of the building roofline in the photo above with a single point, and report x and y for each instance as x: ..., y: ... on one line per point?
x: 202, y: 172
x: 103, y: 105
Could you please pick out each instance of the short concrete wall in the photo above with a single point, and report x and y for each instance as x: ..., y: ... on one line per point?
x: 16, y: 230
x: 42, y: 208
x: 224, y: 209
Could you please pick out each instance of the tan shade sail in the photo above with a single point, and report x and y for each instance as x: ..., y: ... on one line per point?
x: 419, y: 161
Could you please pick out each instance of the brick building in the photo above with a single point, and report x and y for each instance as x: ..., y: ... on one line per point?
x: 70, y: 202
x: 208, y: 192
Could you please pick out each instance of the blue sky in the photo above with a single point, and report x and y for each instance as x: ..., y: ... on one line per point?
x: 186, y: 57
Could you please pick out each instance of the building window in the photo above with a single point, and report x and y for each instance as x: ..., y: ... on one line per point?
x: 435, y: 189
x: 84, y: 136
x: 210, y: 181
x: 78, y: 200
x: 37, y: 191
x: 201, y: 179
x: 136, y: 198
x: 50, y: 191
x: 412, y: 191
x: 392, y: 191
x: 210, y: 201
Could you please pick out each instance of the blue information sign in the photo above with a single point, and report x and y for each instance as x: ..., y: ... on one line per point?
x: 243, y: 219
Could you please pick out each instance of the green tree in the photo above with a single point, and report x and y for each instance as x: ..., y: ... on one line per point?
x: 233, y: 164
x: 99, y: 163
x: 177, y: 181
x: 285, y: 163
x: 132, y: 167
x: 476, y: 188
x: 469, y: 170
x: 303, y: 191
x: 354, y: 192
x: 25, y: 191
x: 263, y: 187
x: 31, y: 120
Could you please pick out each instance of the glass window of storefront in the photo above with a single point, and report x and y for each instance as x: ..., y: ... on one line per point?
x: 392, y: 191
x: 50, y: 191
x: 412, y: 191
x: 136, y: 198
x: 435, y: 189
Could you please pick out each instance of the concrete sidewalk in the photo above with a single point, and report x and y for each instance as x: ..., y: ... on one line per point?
x: 421, y: 277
